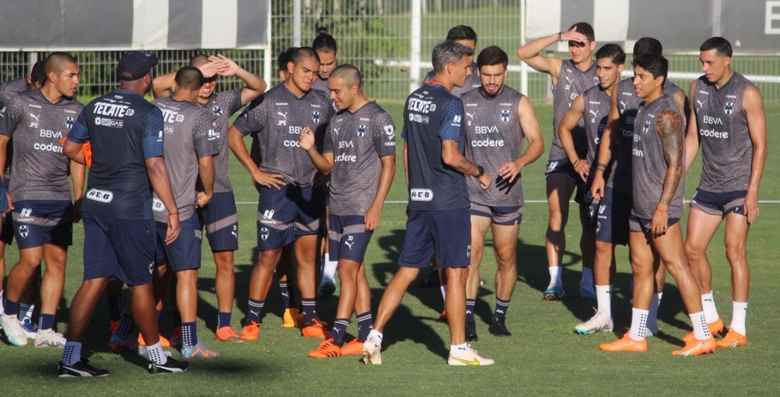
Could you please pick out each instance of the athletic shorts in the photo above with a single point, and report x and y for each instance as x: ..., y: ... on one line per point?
x: 612, y: 214
x: 119, y: 248
x: 7, y: 230
x: 285, y: 214
x: 563, y: 167
x: 720, y: 204
x: 443, y: 233
x: 220, y: 219
x: 348, y: 237
x: 185, y: 252
x: 637, y: 224
x: 507, y: 216
x: 39, y: 222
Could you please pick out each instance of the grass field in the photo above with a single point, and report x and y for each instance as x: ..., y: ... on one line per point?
x: 544, y: 357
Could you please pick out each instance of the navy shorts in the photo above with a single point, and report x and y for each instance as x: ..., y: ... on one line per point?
x: 507, y: 216
x: 7, y: 230
x: 720, y: 204
x: 39, y: 222
x: 285, y: 214
x: 564, y: 167
x: 637, y: 224
x: 185, y: 252
x: 220, y: 219
x: 443, y: 233
x: 119, y: 248
x: 612, y: 214
x: 348, y: 237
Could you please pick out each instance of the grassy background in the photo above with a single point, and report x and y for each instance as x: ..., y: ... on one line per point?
x: 543, y: 355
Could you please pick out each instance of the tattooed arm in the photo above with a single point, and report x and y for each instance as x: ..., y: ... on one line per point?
x: 669, y: 126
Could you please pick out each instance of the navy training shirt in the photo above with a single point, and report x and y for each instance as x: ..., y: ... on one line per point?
x: 431, y: 115
x: 124, y: 130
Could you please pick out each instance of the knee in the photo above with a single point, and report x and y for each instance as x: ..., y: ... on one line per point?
x: 735, y: 252
x: 693, y: 252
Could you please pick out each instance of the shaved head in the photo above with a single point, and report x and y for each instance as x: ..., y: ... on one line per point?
x: 199, y: 60
x: 189, y: 78
x: 56, y: 62
x: 350, y: 74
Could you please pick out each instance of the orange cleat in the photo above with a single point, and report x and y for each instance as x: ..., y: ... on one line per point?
x: 352, y: 348
x: 250, y: 332
x: 697, y: 348
x: 625, y: 344
x: 292, y: 318
x: 732, y: 339
x: 316, y: 329
x: 716, y: 329
x: 227, y: 334
x: 164, y: 342
x: 326, y: 349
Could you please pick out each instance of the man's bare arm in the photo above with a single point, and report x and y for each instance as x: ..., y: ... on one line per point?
x: 756, y: 118
x: 669, y: 126
x: 692, y: 134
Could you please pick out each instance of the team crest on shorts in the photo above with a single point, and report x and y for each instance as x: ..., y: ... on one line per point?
x: 728, y: 108
x: 361, y: 130
x: 315, y: 116
x: 264, y: 233
x: 505, y: 115
x: 24, y: 231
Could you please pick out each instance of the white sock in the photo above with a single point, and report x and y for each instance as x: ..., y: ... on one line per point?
x: 156, y: 354
x: 329, y: 268
x: 738, y: 317
x: 376, y: 335
x: 604, y: 300
x: 700, y: 329
x: 638, y: 329
x: 652, y: 317
x: 586, y: 281
x: 708, y: 304
x: 555, y: 276
x: 459, y: 348
x: 2, y: 309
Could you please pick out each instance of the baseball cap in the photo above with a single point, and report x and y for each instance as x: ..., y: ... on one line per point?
x: 135, y: 64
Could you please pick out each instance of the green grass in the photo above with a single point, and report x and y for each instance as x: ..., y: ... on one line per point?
x: 543, y: 357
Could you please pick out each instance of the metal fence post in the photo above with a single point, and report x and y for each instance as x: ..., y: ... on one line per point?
x: 415, y: 45
x: 296, y: 23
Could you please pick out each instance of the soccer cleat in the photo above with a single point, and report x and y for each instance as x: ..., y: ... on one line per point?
x: 352, y: 348
x: 165, y: 343
x: 597, y: 323
x: 29, y: 327
x: 49, y: 338
x: 697, y: 348
x: 468, y: 357
x: 716, y: 329
x: 498, y: 327
x: 198, y: 351
x: 372, y: 350
x: 553, y: 294
x: 227, y: 334
x: 316, y: 329
x: 13, y: 330
x: 250, y: 332
x: 81, y: 369
x: 471, y: 331
x: 326, y: 349
x: 625, y: 344
x: 292, y: 318
x: 732, y: 339
x: 171, y: 366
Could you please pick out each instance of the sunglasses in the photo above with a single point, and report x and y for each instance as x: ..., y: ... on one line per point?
x: 577, y: 44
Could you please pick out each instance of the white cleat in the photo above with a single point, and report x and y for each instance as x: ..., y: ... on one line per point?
x: 49, y: 338
x: 468, y: 358
x: 372, y: 350
x: 13, y: 330
x: 598, y: 323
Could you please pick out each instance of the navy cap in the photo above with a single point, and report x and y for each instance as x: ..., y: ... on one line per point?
x: 135, y: 64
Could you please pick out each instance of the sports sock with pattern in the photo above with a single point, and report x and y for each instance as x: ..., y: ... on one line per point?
x: 156, y: 354
x: 638, y: 329
x: 256, y: 311
x: 709, y: 308
x: 189, y: 334
x: 470, y: 304
x: 739, y: 317
x: 309, y: 310
x: 284, y: 291
x: 339, y: 332
x: 223, y: 319
x: 72, y: 353
x: 364, y: 322
x: 699, y: 324
x: 502, y: 307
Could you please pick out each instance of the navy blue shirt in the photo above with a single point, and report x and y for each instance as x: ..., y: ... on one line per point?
x: 124, y: 130
x: 431, y: 115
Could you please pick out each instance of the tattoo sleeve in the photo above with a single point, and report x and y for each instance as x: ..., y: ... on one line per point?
x: 669, y: 126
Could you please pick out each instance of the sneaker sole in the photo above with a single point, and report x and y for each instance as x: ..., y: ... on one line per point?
x: 456, y: 362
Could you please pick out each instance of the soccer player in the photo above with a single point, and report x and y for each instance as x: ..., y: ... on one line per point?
x: 220, y: 217
x: 612, y: 175
x: 608, y: 224
x: 729, y: 123
x: 40, y: 195
x: 125, y: 133
x: 657, y: 169
x: 191, y: 141
x: 359, y: 154
x: 498, y: 119
x: 290, y: 207
x: 438, y: 219
x: 570, y: 78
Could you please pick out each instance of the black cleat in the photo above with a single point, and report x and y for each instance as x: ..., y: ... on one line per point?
x: 471, y: 331
x: 81, y: 369
x: 498, y: 327
x: 171, y: 366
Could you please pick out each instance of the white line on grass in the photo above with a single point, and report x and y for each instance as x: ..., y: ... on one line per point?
x: 526, y: 201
